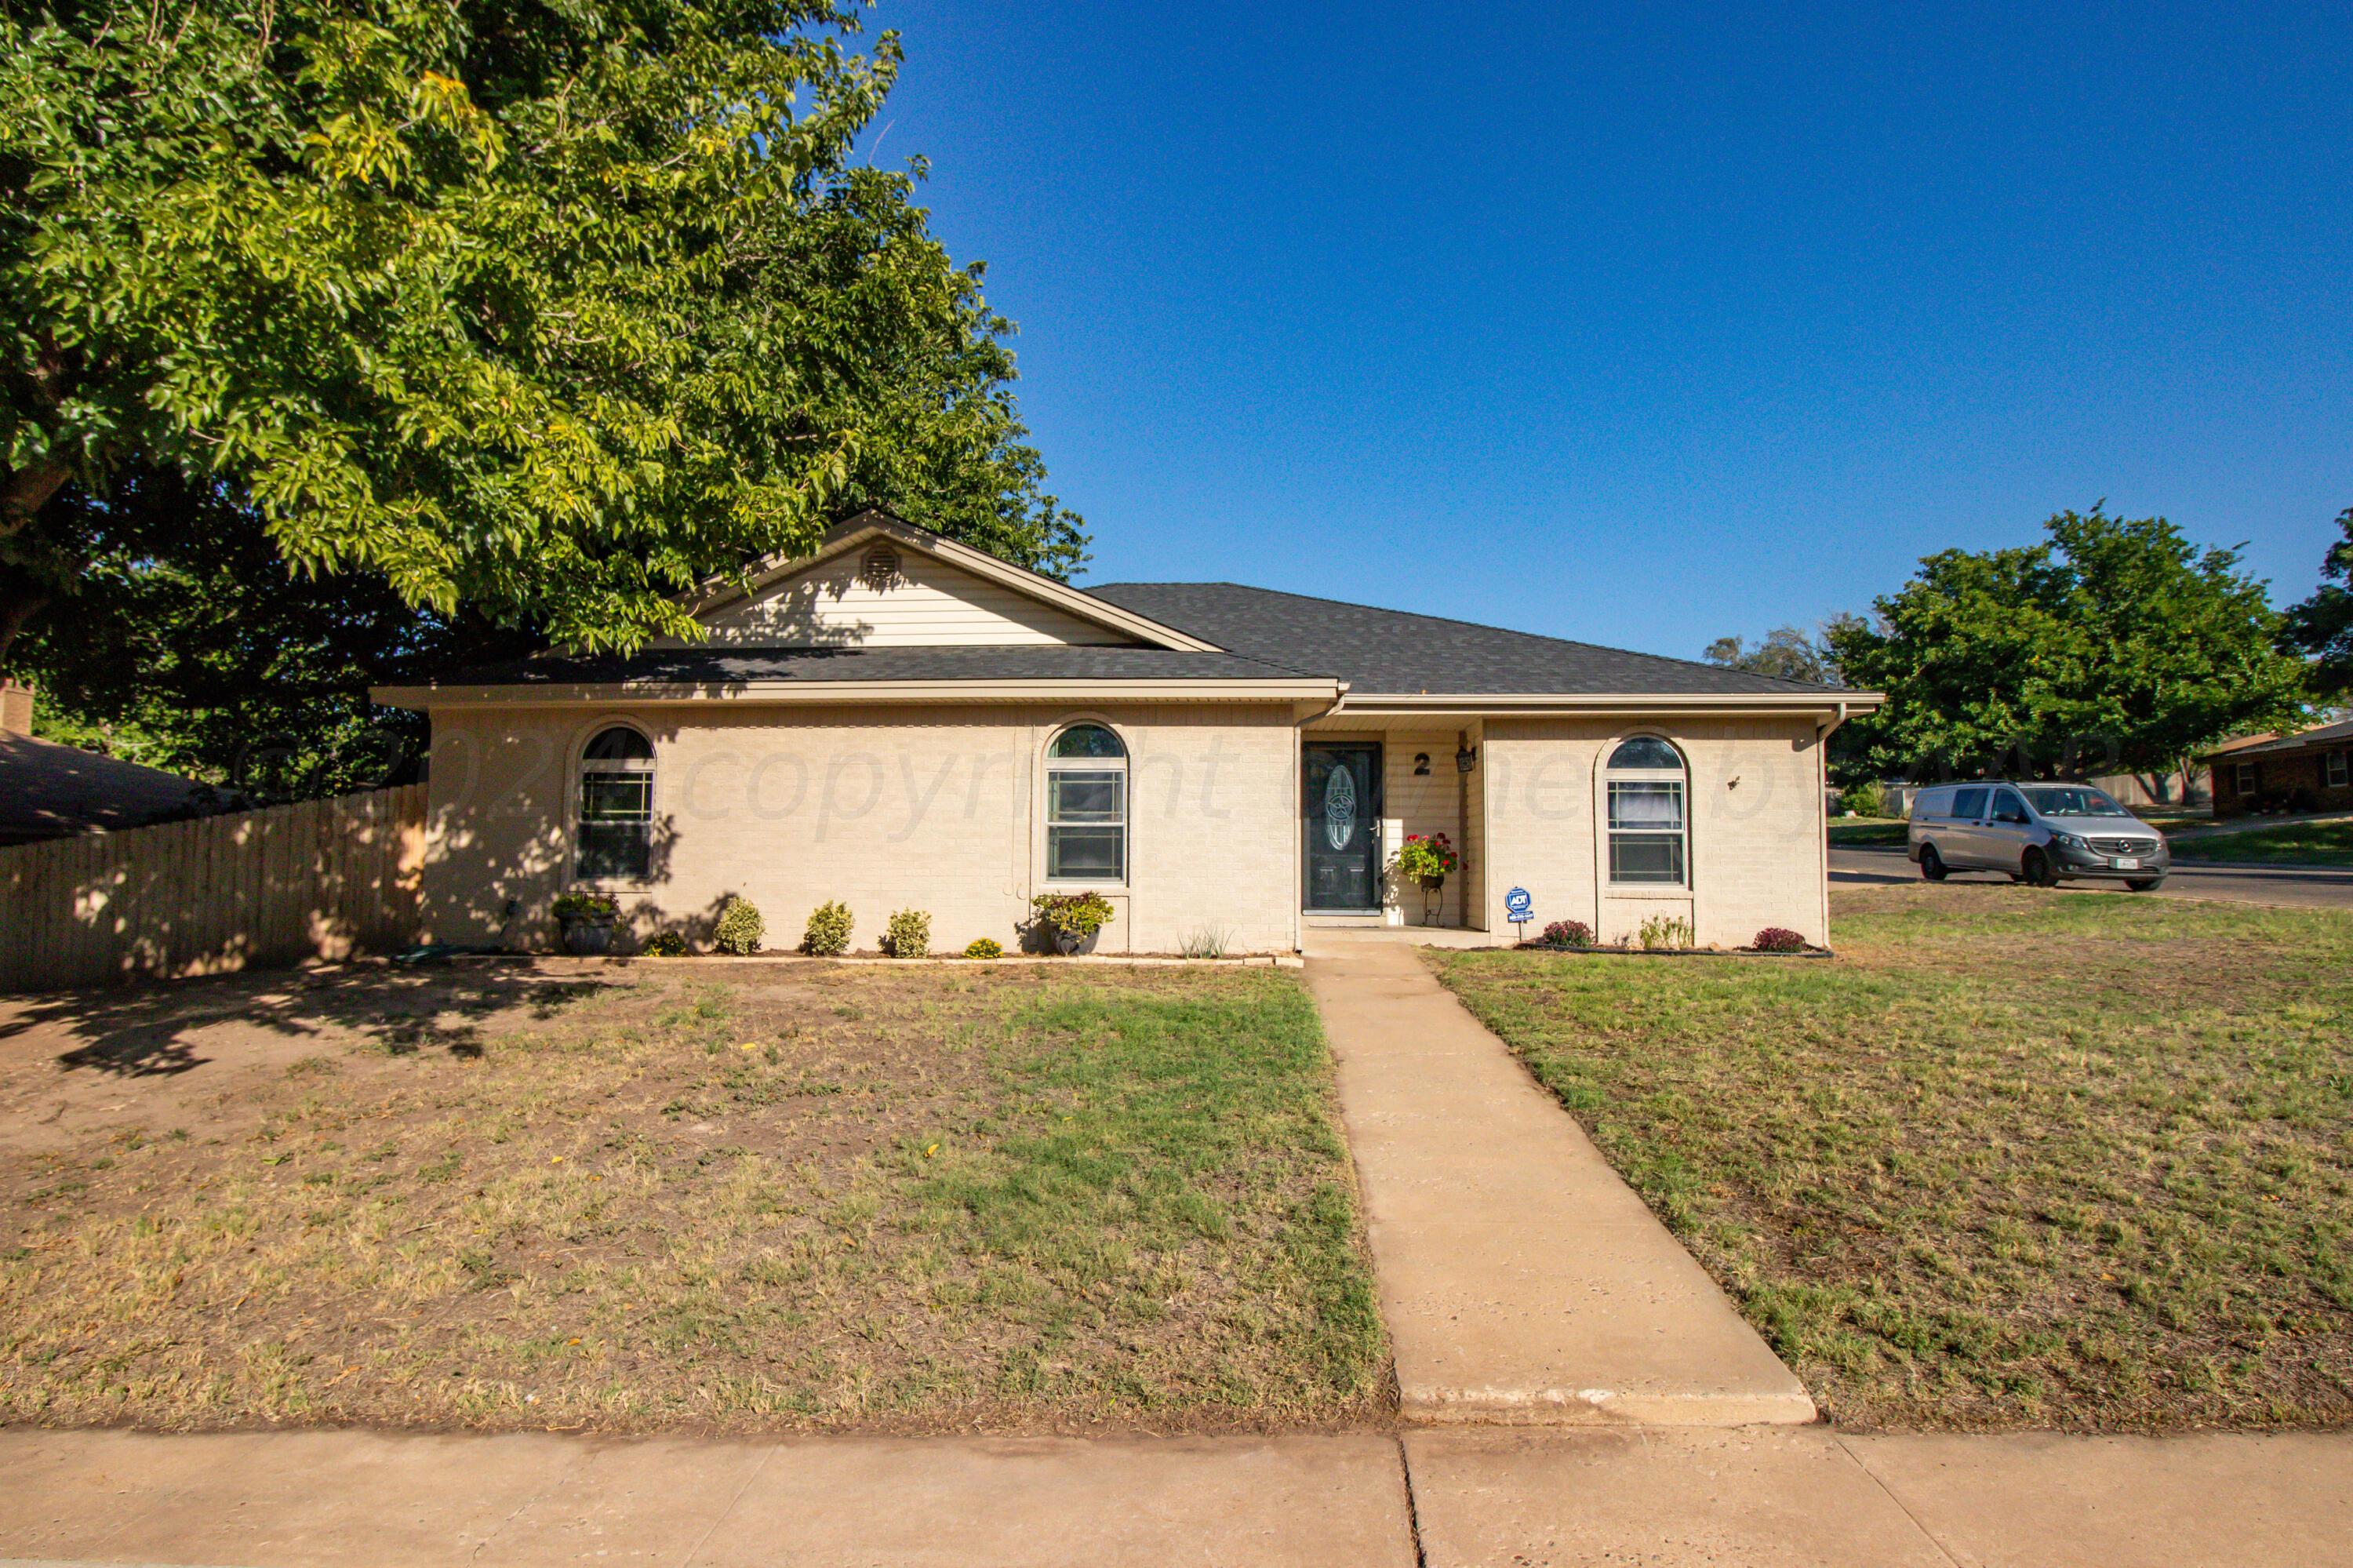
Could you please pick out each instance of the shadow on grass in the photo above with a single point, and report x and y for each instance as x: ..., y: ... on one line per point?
x: 151, y: 1031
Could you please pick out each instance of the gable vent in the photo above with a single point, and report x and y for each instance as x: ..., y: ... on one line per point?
x: 879, y: 569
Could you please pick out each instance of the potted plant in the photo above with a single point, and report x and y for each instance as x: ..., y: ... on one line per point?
x: 586, y: 920
x: 1425, y: 860
x: 1073, y: 920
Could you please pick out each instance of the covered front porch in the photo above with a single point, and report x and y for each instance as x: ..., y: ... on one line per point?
x: 1366, y: 784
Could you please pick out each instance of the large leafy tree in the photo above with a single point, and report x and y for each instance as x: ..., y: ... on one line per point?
x: 545, y: 310
x: 1789, y: 652
x: 2114, y: 643
x: 2322, y: 625
x: 346, y: 339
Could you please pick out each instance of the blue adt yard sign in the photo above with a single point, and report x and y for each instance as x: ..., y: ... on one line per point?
x: 1516, y: 905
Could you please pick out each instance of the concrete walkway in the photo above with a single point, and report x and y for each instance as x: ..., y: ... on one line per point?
x: 370, y: 1500
x: 1756, y: 1497
x: 1521, y: 1280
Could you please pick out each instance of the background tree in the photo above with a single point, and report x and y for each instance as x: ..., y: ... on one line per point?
x: 2322, y: 625
x: 2115, y: 645
x: 1789, y: 652
x: 551, y: 314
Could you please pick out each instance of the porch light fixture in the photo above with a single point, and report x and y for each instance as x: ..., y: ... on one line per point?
x: 1465, y: 759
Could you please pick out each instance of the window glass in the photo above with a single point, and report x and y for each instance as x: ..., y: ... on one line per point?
x: 1645, y: 751
x: 2074, y: 801
x: 1086, y: 806
x: 2337, y: 770
x: 617, y: 807
x: 1087, y: 740
x: 2008, y: 807
x: 1970, y: 805
x: 1645, y: 821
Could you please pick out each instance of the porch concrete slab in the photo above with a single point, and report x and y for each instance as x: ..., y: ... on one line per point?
x: 312, y: 1499
x: 2047, y: 1500
x: 1769, y: 1496
x: 1521, y: 1280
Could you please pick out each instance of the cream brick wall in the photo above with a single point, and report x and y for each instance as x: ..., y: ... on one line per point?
x: 1755, y: 855
x: 885, y: 808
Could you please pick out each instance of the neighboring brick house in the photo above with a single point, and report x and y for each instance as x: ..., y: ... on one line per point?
x: 900, y: 721
x: 2310, y: 772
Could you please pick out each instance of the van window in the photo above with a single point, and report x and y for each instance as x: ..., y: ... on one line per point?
x: 1970, y: 805
x: 1932, y: 803
x: 2009, y: 808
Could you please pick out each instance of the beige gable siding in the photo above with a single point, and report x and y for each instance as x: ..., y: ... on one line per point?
x: 1756, y: 854
x: 885, y: 808
x: 931, y: 604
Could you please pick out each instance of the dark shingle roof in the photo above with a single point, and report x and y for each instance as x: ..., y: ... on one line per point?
x: 1395, y: 650
x: 48, y: 790
x: 719, y: 665
x: 1266, y: 635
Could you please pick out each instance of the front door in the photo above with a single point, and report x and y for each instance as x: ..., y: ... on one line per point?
x: 1341, y: 818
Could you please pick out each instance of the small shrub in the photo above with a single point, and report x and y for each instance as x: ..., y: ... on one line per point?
x: 1081, y: 915
x: 586, y: 907
x: 1205, y: 942
x: 1664, y: 933
x: 829, y: 929
x: 740, y: 929
x: 1568, y: 934
x: 1864, y: 800
x: 1778, y: 940
x: 665, y: 944
x: 984, y: 947
x: 909, y: 934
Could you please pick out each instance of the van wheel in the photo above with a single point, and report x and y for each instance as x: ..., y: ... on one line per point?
x: 1932, y: 864
x: 2034, y: 869
x: 2144, y: 884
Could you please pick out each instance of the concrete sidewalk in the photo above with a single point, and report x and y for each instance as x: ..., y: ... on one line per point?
x: 371, y: 1500
x: 1752, y: 1497
x: 1520, y: 1279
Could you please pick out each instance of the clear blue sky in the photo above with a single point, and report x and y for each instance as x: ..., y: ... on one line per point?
x: 1643, y: 326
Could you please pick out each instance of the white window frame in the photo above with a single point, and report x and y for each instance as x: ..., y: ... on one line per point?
x: 583, y: 769
x: 2334, y: 773
x: 1645, y: 780
x: 1050, y: 804
x: 2243, y: 778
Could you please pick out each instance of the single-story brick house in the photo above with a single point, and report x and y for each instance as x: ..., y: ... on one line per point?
x: 2309, y: 772
x: 900, y: 721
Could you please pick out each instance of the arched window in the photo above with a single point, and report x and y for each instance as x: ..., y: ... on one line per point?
x: 617, y: 807
x: 1086, y: 806
x: 1646, y: 825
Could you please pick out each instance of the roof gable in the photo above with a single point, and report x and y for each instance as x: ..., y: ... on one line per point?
x: 936, y: 593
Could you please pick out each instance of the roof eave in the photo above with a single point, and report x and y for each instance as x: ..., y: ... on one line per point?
x: 1505, y: 703
x: 1285, y: 690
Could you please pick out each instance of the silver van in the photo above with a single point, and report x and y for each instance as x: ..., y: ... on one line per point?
x: 2041, y: 833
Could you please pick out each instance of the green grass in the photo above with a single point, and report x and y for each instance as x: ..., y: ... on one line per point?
x: 1867, y: 830
x: 837, y: 1197
x: 2310, y: 843
x: 2012, y: 1159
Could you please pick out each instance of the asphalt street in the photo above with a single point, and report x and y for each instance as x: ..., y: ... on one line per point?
x: 2326, y: 887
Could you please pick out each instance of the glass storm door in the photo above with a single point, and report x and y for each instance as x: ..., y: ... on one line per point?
x: 1341, y: 816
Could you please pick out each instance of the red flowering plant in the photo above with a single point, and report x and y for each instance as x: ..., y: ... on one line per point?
x: 1426, y: 858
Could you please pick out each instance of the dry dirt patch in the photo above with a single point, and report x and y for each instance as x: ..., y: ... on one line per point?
x: 830, y: 1196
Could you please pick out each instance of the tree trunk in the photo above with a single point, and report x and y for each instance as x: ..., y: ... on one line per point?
x: 19, y: 602
x: 25, y: 491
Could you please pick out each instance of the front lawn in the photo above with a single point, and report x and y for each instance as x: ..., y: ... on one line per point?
x: 2310, y: 843
x: 2011, y: 1160
x: 821, y: 1196
x: 1850, y: 832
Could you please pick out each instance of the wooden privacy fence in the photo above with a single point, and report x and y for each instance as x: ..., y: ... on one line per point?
x: 321, y: 879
